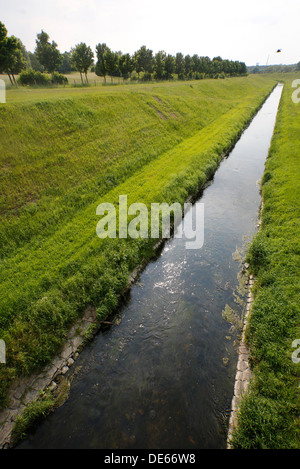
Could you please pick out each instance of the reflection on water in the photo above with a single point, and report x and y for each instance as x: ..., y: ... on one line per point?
x: 163, y: 376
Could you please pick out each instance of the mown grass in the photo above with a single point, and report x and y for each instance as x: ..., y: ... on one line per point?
x: 62, y: 155
x: 269, y: 415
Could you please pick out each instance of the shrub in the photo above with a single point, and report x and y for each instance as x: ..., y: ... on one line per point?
x: 59, y: 79
x: 36, y: 78
x: 33, y: 77
x: 146, y: 77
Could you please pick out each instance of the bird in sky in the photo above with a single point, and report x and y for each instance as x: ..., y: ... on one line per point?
x: 278, y: 50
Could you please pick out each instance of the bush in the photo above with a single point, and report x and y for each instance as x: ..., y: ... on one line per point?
x: 33, y: 77
x: 146, y: 77
x: 59, y: 79
x: 36, y: 78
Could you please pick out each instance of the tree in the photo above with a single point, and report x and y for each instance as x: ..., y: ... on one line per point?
x: 196, y: 63
x: 25, y: 55
x: 179, y: 65
x: 243, y: 68
x: 82, y: 58
x: 12, y: 59
x: 111, y: 62
x: 34, y: 63
x: 100, y: 68
x: 143, y: 59
x: 204, y: 66
x: 66, y: 66
x: 217, y: 65
x: 47, y: 53
x: 188, y: 66
x: 126, y: 65
x: 169, y: 66
x: 298, y: 67
x: 159, y: 65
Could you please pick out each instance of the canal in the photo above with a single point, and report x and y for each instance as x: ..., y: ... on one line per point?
x: 162, y: 376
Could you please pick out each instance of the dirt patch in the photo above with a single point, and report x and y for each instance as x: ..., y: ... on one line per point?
x: 157, y: 99
x: 158, y: 112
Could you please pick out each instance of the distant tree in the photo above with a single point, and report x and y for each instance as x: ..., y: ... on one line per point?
x: 179, y: 65
x: 298, y: 67
x: 100, y: 68
x: 188, y: 66
x: 12, y: 60
x: 217, y: 65
x: 143, y: 59
x: 111, y: 62
x: 47, y: 53
x: 66, y: 65
x: 3, y: 48
x: 34, y: 63
x: 82, y: 58
x: 25, y: 55
x: 169, y: 66
x: 226, y: 66
x: 3, y: 33
x: 204, y: 65
x: 126, y: 65
x: 159, y: 65
x: 243, y: 69
x: 148, y: 64
x: 137, y: 64
x: 196, y: 63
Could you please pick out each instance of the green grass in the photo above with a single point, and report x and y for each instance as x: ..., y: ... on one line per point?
x: 64, y: 151
x: 270, y: 413
x: 34, y: 412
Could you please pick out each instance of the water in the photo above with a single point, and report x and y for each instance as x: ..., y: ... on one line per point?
x: 162, y: 377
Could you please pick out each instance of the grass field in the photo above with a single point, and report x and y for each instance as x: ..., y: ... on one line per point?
x: 270, y: 413
x: 64, y: 151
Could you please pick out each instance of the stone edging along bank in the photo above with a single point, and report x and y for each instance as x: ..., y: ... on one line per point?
x: 28, y: 389
x: 243, y: 370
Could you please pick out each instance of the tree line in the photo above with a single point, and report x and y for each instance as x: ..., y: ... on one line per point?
x: 107, y: 63
x: 274, y: 68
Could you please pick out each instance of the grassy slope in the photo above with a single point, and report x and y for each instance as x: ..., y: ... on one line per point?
x: 270, y: 413
x: 65, y: 148
x: 64, y: 152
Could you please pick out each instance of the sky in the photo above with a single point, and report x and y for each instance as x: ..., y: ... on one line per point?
x: 248, y: 31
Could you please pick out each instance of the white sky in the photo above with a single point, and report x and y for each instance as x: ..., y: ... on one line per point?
x: 249, y: 31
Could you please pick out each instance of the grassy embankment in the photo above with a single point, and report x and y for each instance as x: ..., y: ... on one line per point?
x: 65, y: 151
x: 270, y: 413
